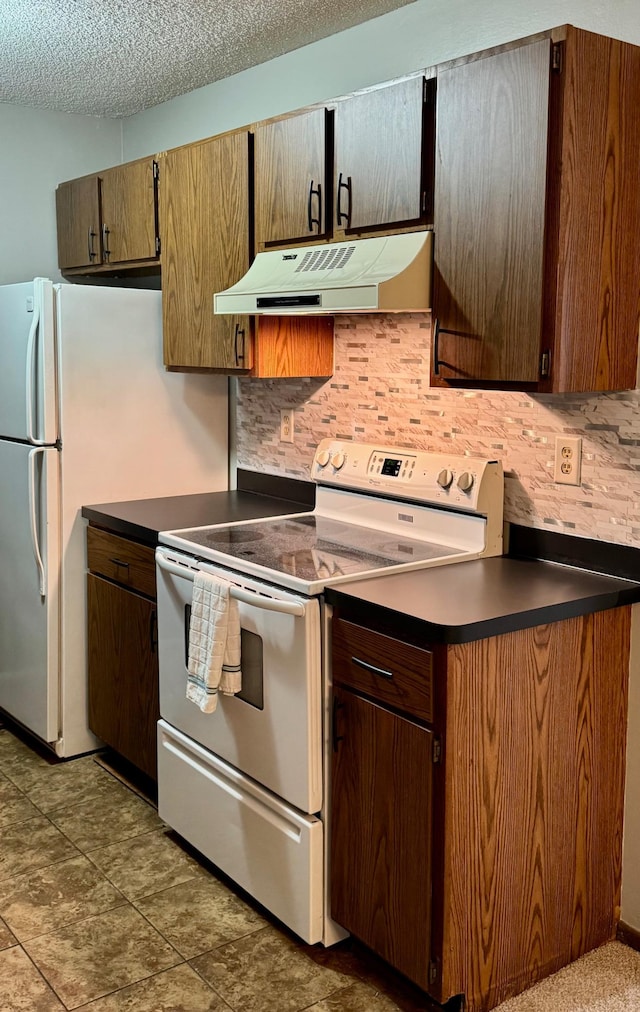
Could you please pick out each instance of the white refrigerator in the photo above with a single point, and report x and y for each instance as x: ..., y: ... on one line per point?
x: 88, y: 414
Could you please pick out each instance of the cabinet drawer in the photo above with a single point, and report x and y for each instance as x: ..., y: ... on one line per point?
x: 386, y: 669
x: 119, y: 559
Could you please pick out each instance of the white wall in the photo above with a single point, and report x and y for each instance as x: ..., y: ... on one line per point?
x: 38, y: 150
x: 414, y: 37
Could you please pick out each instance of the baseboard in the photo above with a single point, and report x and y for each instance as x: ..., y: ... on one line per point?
x: 630, y: 936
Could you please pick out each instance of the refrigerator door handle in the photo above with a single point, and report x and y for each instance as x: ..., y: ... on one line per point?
x: 34, y: 521
x: 31, y: 378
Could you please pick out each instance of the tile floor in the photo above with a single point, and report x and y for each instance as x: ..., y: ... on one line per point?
x: 103, y: 908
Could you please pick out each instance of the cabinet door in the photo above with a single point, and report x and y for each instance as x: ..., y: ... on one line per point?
x: 290, y: 189
x: 381, y: 832
x: 380, y: 175
x: 129, y: 212
x: 489, y: 210
x: 204, y: 209
x: 78, y: 221
x: 123, y: 671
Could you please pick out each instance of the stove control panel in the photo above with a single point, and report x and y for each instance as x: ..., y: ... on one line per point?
x: 459, y: 482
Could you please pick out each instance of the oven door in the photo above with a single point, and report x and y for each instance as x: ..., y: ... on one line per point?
x: 272, y: 730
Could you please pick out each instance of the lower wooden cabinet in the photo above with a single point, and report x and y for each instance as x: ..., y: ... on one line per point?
x: 123, y: 649
x: 479, y: 850
x: 381, y: 832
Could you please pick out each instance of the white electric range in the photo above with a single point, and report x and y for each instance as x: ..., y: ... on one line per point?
x: 247, y: 784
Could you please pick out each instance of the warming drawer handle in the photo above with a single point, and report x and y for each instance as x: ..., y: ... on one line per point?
x: 380, y: 672
x: 245, y: 596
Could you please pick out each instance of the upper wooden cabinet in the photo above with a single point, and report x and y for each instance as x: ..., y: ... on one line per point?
x: 537, y: 214
x: 108, y: 219
x: 383, y: 174
x: 204, y: 207
x: 129, y: 212
x: 78, y: 220
x: 291, y: 179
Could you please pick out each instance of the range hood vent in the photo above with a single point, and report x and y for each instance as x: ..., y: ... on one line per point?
x: 387, y: 274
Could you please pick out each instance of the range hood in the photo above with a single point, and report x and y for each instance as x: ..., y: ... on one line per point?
x: 381, y: 275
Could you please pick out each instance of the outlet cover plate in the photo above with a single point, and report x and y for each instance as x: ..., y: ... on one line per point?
x: 567, y: 461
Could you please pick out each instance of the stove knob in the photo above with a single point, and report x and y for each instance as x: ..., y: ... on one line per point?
x: 338, y: 460
x: 322, y: 458
x: 465, y: 482
x: 445, y: 478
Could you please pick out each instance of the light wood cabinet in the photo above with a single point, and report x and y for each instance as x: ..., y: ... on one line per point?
x: 291, y: 179
x: 537, y: 216
x: 204, y: 206
x: 479, y: 849
x: 123, y: 647
x: 109, y: 220
x: 383, y: 172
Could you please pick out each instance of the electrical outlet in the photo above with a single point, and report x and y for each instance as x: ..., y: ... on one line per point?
x: 286, y: 425
x: 568, y: 460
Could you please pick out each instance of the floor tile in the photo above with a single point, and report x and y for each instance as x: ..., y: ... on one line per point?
x: 114, y: 816
x: 267, y: 972
x: 22, y: 987
x: 93, y: 957
x: 68, y: 783
x: 177, y: 990
x: 18, y: 760
x: 146, y: 864
x: 14, y: 806
x: 199, y: 915
x: 357, y: 998
x: 6, y: 937
x: 32, y: 844
x: 44, y: 900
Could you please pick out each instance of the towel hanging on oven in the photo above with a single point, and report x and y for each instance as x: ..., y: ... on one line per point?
x: 214, y: 643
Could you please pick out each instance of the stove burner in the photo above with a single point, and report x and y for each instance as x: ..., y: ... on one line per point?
x: 232, y: 537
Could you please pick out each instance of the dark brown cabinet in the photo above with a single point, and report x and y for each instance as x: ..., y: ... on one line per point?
x: 109, y: 219
x: 383, y: 172
x: 477, y: 794
x: 291, y: 179
x: 537, y: 215
x: 79, y: 223
x: 123, y: 647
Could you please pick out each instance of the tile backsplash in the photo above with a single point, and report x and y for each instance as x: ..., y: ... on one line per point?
x: 380, y: 393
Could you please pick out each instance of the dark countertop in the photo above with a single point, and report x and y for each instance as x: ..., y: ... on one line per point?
x: 472, y: 600
x: 143, y: 519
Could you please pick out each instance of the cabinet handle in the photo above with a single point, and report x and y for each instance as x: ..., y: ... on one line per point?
x: 105, y: 242
x: 436, y: 338
x: 90, y: 237
x: 381, y: 672
x: 239, y: 355
x: 335, y: 737
x: 119, y: 562
x: 153, y: 632
x: 311, y: 221
x: 340, y: 214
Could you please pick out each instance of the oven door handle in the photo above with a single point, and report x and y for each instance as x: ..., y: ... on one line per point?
x: 246, y: 596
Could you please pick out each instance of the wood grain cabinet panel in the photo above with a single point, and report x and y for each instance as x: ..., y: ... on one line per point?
x: 383, y: 157
x: 537, y: 216
x: 123, y: 671
x: 204, y: 208
x: 524, y: 798
x: 78, y: 220
x: 290, y: 179
x: 381, y: 832
x: 109, y: 220
x: 129, y: 212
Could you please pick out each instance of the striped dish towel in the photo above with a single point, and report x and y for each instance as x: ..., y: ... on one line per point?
x: 214, y: 643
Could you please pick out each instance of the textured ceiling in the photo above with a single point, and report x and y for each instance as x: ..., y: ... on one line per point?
x: 117, y: 57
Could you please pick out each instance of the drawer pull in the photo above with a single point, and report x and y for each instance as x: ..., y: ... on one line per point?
x: 371, y: 667
x: 119, y: 562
